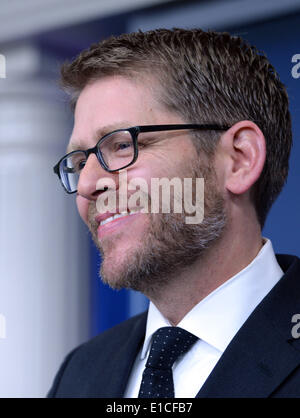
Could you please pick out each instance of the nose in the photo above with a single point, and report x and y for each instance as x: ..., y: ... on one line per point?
x: 90, y: 176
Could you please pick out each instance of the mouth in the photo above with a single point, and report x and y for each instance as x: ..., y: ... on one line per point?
x: 109, y: 223
x: 116, y: 216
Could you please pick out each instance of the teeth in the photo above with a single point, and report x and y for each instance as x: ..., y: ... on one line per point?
x: 116, y: 216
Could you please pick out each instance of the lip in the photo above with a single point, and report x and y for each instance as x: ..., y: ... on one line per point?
x: 102, y: 216
x: 114, y: 225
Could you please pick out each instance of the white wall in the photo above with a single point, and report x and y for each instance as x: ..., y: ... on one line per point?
x: 44, y: 280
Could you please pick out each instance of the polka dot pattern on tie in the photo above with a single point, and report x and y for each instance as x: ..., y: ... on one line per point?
x: 168, y: 344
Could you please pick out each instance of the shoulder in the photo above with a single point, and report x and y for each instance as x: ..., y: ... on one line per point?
x: 114, y: 336
x: 288, y: 263
x: 109, y: 339
x: 92, y: 359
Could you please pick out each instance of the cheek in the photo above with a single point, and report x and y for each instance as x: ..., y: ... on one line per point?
x: 148, y: 168
x: 82, y: 206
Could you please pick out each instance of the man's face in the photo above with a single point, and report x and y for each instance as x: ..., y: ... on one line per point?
x: 141, y: 250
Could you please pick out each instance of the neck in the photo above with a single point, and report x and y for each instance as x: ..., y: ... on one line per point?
x: 231, y: 254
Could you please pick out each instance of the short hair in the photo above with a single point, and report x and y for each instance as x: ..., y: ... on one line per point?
x: 205, y: 77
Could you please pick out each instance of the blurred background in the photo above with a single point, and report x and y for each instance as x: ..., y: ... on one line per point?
x: 51, y: 298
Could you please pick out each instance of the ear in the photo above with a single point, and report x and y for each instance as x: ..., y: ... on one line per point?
x: 244, y: 150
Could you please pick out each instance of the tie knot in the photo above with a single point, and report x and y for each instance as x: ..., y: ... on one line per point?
x: 167, y: 345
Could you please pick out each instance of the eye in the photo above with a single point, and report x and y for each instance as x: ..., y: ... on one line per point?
x: 76, y: 163
x: 122, y: 146
x: 80, y: 165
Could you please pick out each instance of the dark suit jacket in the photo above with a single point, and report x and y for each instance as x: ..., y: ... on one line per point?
x: 262, y: 360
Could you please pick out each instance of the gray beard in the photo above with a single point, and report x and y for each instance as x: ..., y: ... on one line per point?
x: 170, y: 245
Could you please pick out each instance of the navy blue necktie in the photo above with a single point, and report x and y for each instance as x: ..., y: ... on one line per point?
x: 167, y: 345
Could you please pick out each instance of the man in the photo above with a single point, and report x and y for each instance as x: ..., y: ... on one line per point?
x: 184, y: 104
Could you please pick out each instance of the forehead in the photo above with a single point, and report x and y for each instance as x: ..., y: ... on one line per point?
x: 107, y: 89
x: 109, y: 102
x: 115, y: 102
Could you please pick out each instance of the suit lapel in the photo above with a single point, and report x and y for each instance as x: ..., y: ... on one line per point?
x: 263, y: 352
x: 122, y: 359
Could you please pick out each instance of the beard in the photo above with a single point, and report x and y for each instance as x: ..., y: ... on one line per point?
x: 170, y: 245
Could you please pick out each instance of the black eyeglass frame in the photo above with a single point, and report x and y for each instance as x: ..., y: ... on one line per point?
x: 134, y: 131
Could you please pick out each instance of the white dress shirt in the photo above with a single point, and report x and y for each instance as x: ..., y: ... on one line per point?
x: 214, y: 320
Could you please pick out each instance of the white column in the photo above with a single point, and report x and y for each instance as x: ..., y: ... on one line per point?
x: 44, y: 279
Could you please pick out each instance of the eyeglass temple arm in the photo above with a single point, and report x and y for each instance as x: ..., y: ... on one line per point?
x: 157, y: 128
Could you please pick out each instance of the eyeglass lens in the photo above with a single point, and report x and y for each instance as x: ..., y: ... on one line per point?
x: 116, y: 149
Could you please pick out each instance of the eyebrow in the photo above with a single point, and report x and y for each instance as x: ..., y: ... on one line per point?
x: 100, y: 132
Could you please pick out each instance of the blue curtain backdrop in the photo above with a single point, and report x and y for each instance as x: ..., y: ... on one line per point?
x: 280, y: 40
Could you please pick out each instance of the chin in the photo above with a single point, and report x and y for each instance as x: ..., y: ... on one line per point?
x: 111, y: 275
x: 115, y: 261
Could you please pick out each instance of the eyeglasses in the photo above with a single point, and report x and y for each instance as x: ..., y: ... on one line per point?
x: 115, y: 151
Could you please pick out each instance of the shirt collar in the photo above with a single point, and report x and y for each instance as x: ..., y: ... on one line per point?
x: 218, y: 317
